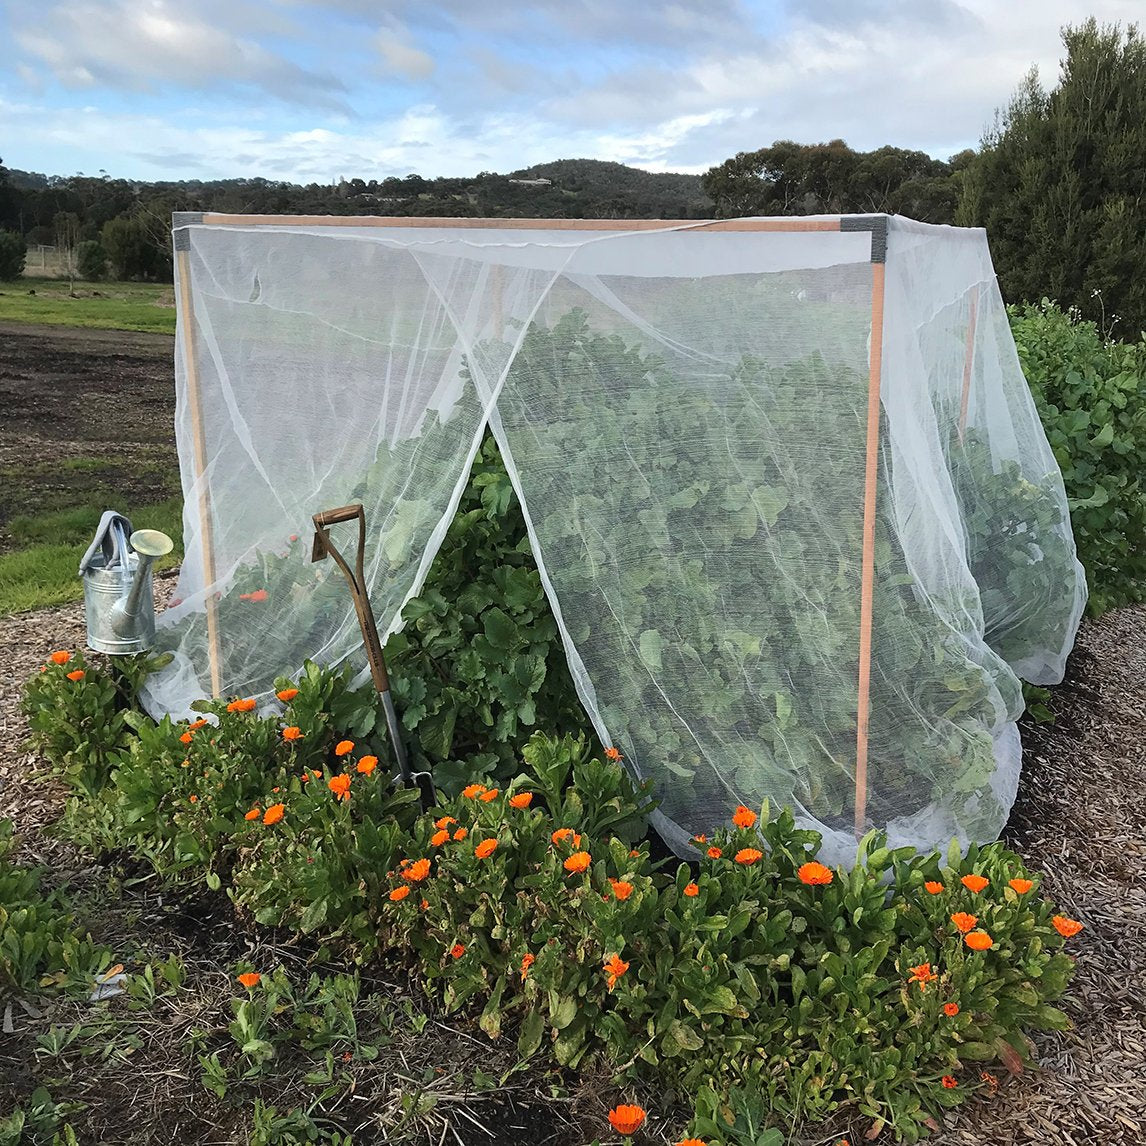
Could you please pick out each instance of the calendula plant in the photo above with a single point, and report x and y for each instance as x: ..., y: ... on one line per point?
x: 40, y: 943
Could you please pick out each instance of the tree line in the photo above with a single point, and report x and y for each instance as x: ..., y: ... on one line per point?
x: 1059, y: 182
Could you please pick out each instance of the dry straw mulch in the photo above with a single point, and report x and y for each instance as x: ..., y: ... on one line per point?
x: 1080, y: 820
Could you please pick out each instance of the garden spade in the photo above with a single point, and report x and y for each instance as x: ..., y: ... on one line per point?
x: 323, y: 546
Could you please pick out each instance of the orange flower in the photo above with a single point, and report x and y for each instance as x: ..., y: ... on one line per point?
x: 613, y: 754
x: 195, y: 725
x: 439, y: 838
x: 633, y: 853
x: 250, y: 979
x: 743, y: 817
x: 256, y: 596
x: 933, y: 886
x: 949, y: 1083
x: 286, y: 695
x: 922, y: 975
x: 486, y: 797
x: 701, y: 839
x: 615, y: 967
x: 714, y: 853
x: 521, y: 800
x: 621, y: 889
x: 974, y: 883
x: 1022, y: 886
x: 186, y: 738
x: 1066, y: 927
x: 340, y: 786
x: 691, y: 890
x: 691, y: 1142
x: 748, y: 856
x: 344, y: 747
x: 626, y: 1119
x: 978, y: 941
x: 990, y: 1080
x: 399, y: 893
x: 76, y: 674
x: 417, y: 871
x: 461, y: 833
x: 814, y: 874
x: 561, y: 835
x: 424, y: 904
x: 367, y: 765
x: 292, y: 732
x: 444, y: 821
x: 253, y: 814
x: 241, y: 705
x: 472, y: 790
x: 193, y: 799
x: 457, y: 950
x: 578, y: 861
x: 60, y: 657
x: 274, y: 813
x: 964, y: 921
x: 527, y: 961
x: 485, y: 849
x: 950, y: 1009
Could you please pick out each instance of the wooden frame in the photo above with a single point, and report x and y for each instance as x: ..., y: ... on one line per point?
x: 876, y: 225
x: 968, y: 363
x: 199, y: 441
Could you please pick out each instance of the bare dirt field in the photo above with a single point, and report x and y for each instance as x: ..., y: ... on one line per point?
x: 83, y: 414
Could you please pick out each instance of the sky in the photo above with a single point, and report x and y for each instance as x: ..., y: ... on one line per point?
x: 312, y: 91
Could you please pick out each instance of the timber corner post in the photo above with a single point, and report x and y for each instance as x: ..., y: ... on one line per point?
x: 181, y: 244
x: 878, y: 226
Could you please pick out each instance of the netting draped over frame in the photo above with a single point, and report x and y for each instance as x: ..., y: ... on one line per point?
x: 742, y: 552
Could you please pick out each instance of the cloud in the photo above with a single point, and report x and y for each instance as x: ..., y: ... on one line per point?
x: 153, y: 44
x: 399, y: 54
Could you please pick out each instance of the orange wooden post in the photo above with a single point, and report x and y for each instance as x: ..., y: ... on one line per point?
x: 199, y: 443
x: 867, y: 579
x: 968, y: 362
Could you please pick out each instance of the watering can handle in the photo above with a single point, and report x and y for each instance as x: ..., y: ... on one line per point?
x: 105, y: 540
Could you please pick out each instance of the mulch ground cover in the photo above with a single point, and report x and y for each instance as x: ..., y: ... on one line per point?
x: 1080, y: 819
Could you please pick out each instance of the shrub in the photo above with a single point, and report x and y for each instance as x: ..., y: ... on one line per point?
x: 91, y: 260
x: 479, y: 664
x: 13, y: 251
x: 1091, y: 395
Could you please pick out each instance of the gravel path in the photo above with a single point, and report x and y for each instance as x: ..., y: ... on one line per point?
x: 1080, y: 819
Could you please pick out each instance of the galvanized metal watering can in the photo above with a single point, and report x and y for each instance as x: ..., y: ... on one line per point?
x: 116, y: 572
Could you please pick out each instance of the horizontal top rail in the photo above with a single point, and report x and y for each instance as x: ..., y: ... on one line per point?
x: 795, y: 223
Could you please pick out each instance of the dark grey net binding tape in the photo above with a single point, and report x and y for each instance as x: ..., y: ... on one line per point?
x: 877, y: 225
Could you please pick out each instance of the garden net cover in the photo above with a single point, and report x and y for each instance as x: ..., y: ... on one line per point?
x: 786, y: 487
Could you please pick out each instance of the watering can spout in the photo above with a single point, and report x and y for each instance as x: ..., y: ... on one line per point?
x: 149, y: 544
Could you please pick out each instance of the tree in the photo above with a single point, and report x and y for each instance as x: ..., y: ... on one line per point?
x: 831, y: 178
x: 12, y: 252
x: 130, y: 250
x: 1059, y: 182
x: 66, y: 227
x: 91, y: 261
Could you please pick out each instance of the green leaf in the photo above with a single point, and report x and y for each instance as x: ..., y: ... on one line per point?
x: 532, y: 1030
x: 651, y: 645
x: 500, y: 629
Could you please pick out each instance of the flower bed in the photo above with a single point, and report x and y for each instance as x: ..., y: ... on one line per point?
x: 537, y: 906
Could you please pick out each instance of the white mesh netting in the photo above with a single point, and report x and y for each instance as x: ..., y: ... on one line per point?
x: 684, y: 412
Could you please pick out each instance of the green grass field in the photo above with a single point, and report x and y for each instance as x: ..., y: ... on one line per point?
x: 148, y: 307
x: 44, y: 572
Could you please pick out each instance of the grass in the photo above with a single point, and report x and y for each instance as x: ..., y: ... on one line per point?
x: 43, y: 571
x: 147, y: 307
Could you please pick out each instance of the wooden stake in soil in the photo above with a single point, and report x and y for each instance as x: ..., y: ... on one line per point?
x: 968, y: 362
x: 867, y: 581
x: 186, y: 320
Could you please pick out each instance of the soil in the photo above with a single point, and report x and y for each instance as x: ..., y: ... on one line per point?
x: 84, y: 410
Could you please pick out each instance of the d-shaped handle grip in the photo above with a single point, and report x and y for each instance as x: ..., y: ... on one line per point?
x: 334, y: 516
